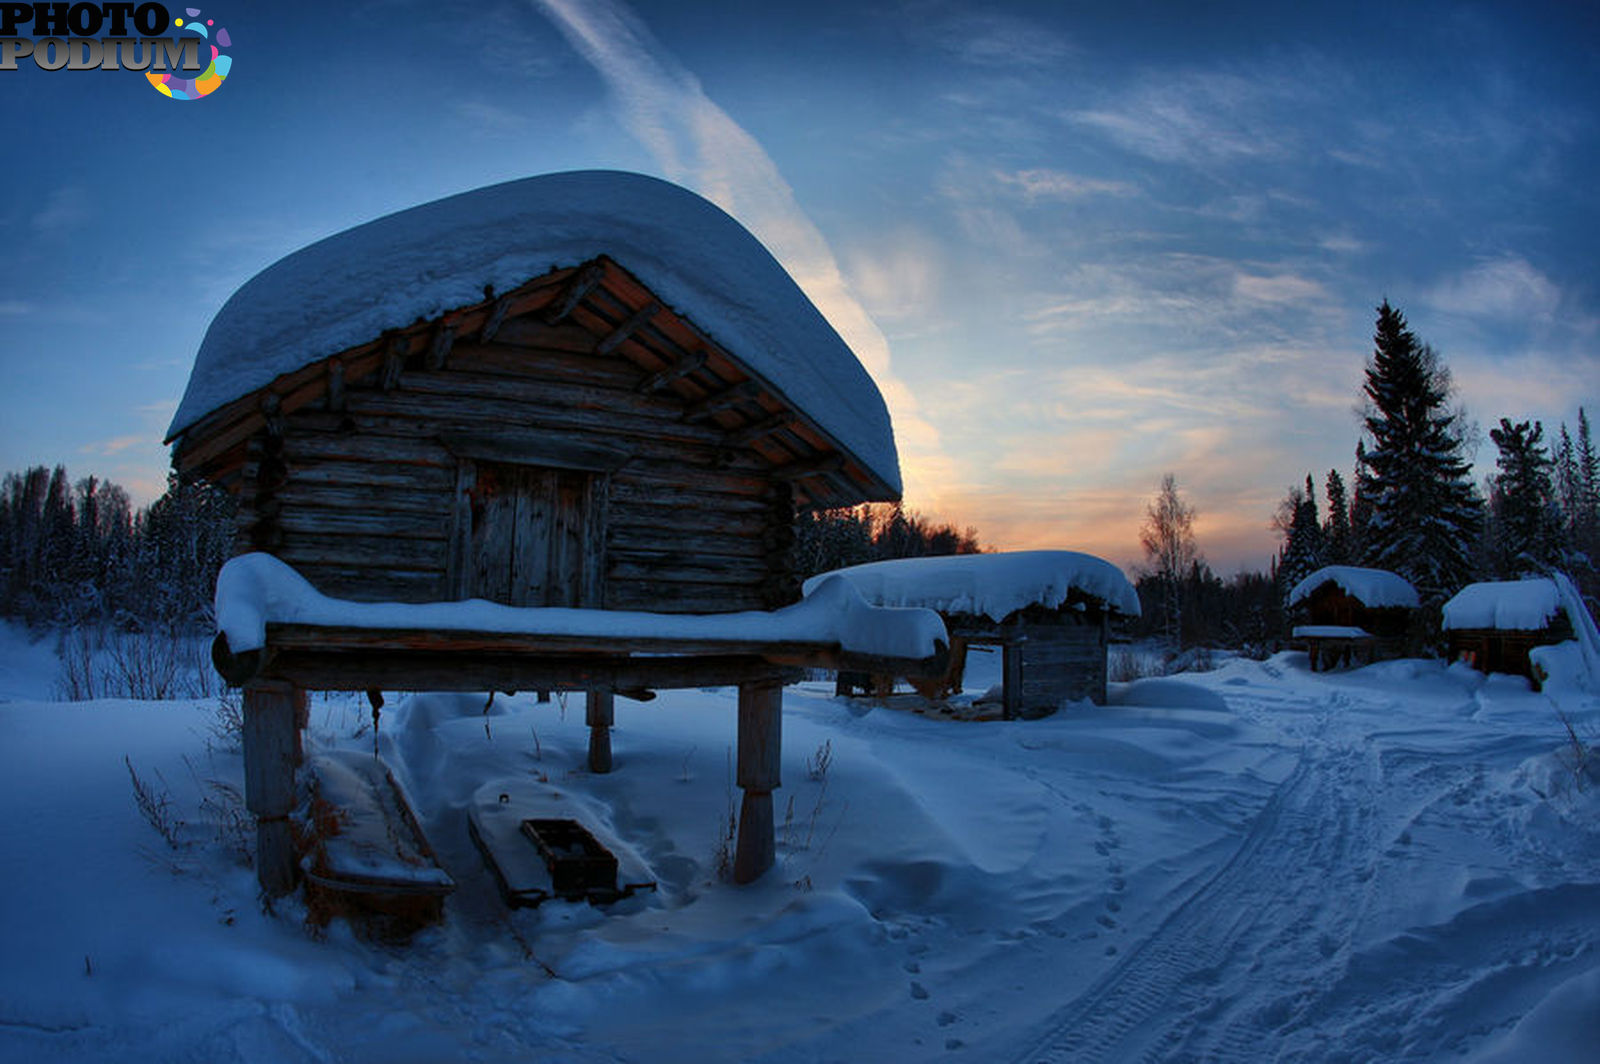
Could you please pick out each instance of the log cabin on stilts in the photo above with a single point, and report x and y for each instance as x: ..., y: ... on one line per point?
x: 546, y: 435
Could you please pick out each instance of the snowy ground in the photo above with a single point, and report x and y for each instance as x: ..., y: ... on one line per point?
x: 1254, y: 863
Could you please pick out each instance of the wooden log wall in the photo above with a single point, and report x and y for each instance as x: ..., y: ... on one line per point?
x: 356, y: 489
x: 1060, y: 662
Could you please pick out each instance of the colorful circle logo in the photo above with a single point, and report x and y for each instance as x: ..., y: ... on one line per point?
x: 170, y: 84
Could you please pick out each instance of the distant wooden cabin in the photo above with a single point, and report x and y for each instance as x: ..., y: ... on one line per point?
x: 1048, y: 611
x: 1344, y: 612
x: 1493, y: 625
x: 588, y: 390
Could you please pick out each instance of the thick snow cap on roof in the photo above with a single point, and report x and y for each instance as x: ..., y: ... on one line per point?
x: 418, y: 263
x: 1376, y: 588
x: 990, y: 584
x: 1512, y: 605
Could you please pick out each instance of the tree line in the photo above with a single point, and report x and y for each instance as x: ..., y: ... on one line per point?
x: 80, y: 553
x: 1411, y: 508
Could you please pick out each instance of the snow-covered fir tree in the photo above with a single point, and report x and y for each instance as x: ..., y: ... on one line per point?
x: 1302, y: 552
x: 1524, y: 520
x: 1424, y: 512
x: 1336, y: 529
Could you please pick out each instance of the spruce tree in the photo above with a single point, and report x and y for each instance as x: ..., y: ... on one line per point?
x: 1425, y: 514
x: 1526, y: 522
x: 1336, y: 529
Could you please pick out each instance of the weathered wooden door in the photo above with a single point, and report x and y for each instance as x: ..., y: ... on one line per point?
x: 532, y: 535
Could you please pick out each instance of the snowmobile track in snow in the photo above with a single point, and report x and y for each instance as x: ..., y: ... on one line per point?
x: 1258, y: 915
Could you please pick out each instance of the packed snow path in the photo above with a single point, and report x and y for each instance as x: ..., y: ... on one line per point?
x: 1264, y: 959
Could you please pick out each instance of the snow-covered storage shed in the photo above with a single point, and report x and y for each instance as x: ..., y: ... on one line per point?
x: 1344, y: 609
x: 605, y: 361
x: 1048, y: 610
x: 576, y: 396
x: 1493, y: 625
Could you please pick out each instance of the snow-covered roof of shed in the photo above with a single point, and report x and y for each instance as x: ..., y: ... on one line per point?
x: 1510, y: 605
x: 994, y: 585
x: 419, y: 263
x: 1376, y: 588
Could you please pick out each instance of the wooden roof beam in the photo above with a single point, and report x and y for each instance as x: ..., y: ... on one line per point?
x: 759, y: 429
x: 582, y: 283
x: 682, y: 368
x: 719, y: 401
x: 810, y: 467
x: 630, y: 325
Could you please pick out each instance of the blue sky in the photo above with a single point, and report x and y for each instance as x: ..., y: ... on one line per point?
x: 1078, y: 245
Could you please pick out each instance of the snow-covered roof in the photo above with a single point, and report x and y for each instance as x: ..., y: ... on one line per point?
x: 254, y: 590
x: 990, y: 584
x: 1376, y: 588
x: 419, y: 263
x: 1514, y: 605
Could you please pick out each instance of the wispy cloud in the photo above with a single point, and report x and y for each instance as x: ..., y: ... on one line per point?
x: 992, y: 38
x: 1508, y: 286
x: 64, y: 209
x: 115, y: 445
x: 697, y: 143
x: 1045, y: 184
x: 1196, y: 117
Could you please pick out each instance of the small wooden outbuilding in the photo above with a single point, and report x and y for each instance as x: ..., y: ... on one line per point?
x: 1344, y: 611
x: 593, y: 392
x: 1493, y: 625
x: 1049, y: 611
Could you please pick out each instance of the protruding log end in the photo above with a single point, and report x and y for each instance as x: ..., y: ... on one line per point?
x: 236, y: 669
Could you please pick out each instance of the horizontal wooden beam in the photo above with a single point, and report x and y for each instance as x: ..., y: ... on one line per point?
x: 403, y: 670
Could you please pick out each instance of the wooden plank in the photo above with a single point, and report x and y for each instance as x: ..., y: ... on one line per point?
x: 560, y: 354
x: 758, y: 429
x: 389, y: 522
x: 403, y: 670
x: 633, y: 520
x: 363, y: 551
x: 531, y: 447
x: 358, y: 495
x: 300, y: 448
x: 440, y: 345
x: 376, y: 585
x: 748, y: 573
x: 337, y: 480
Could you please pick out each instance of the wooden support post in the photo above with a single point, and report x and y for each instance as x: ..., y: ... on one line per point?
x: 599, y: 714
x: 1011, y: 679
x: 627, y: 327
x: 271, y: 751
x: 682, y: 368
x: 760, y: 754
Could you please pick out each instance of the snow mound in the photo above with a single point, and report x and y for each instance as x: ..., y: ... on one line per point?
x: 418, y: 263
x: 1376, y: 588
x: 254, y: 590
x: 1513, y: 605
x: 990, y: 584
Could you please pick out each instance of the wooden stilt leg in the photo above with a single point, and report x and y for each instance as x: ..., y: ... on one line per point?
x: 760, y: 755
x: 599, y: 714
x: 271, y: 751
